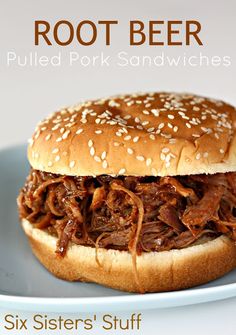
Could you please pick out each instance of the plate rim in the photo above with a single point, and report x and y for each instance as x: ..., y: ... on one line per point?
x: 147, y: 301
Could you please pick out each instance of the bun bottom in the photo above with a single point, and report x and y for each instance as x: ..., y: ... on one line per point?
x: 157, y: 271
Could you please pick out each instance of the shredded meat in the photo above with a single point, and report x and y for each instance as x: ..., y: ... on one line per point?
x: 205, y: 209
x: 138, y: 214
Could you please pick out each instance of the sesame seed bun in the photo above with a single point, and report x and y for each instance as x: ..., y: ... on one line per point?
x: 160, y: 134
x: 157, y: 271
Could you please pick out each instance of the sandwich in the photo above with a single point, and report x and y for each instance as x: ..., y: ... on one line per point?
x: 134, y: 192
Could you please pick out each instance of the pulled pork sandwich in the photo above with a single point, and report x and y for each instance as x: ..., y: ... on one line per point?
x: 136, y: 192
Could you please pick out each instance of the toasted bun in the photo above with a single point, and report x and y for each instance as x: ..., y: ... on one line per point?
x: 144, y: 134
x: 157, y: 271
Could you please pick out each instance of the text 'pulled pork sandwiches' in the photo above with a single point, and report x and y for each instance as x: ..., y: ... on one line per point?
x: 136, y: 192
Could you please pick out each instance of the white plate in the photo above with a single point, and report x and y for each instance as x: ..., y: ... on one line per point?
x: 26, y: 285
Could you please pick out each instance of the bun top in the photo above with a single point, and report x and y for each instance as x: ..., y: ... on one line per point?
x: 155, y: 134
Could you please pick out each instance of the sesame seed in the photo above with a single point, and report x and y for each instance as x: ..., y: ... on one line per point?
x: 148, y: 161
x: 137, y: 120
x: 195, y: 135
x: 222, y: 151
x: 104, y: 164
x: 140, y: 158
x: 116, y: 144
x: 59, y: 139
x: 128, y: 137
x: 146, y: 112
x: 196, y: 109
x: 144, y: 123
x: 130, y: 151
x: 50, y: 164
x: 57, y: 158
x: 168, y: 157
x: 92, y: 151
x: 97, y: 121
x: 162, y: 156
x: 155, y: 112
x: 112, y: 123
x: 122, y: 171
x: 113, y: 103
x: 150, y: 129
x: 98, y: 131
x: 217, y: 136
x: 124, y: 130
x: 175, y: 129
x: 152, y: 137
x: 198, y: 156
x: 72, y: 164
x: 165, y: 150
x: 103, y: 155
x: 135, y: 139
x: 90, y: 143
x: 127, y: 117
x: 69, y: 125
x: 170, y: 116
x: 205, y: 154
x: 188, y: 125
x: 62, y: 130
x: 48, y: 137
x: 204, y: 129
x: 83, y: 120
x: 65, y: 135
x: 118, y: 134
x: 56, y: 127
x: 79, y: 131
x: 130, y: 103
x: 30, y: 141
x: 193, y: 122
x: 170, y: 125
x: 161, y: 125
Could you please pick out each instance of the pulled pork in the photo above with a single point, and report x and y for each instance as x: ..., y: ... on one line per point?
x: 130, y: 213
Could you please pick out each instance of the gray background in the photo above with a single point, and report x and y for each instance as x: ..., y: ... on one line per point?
x: 30, y: 93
